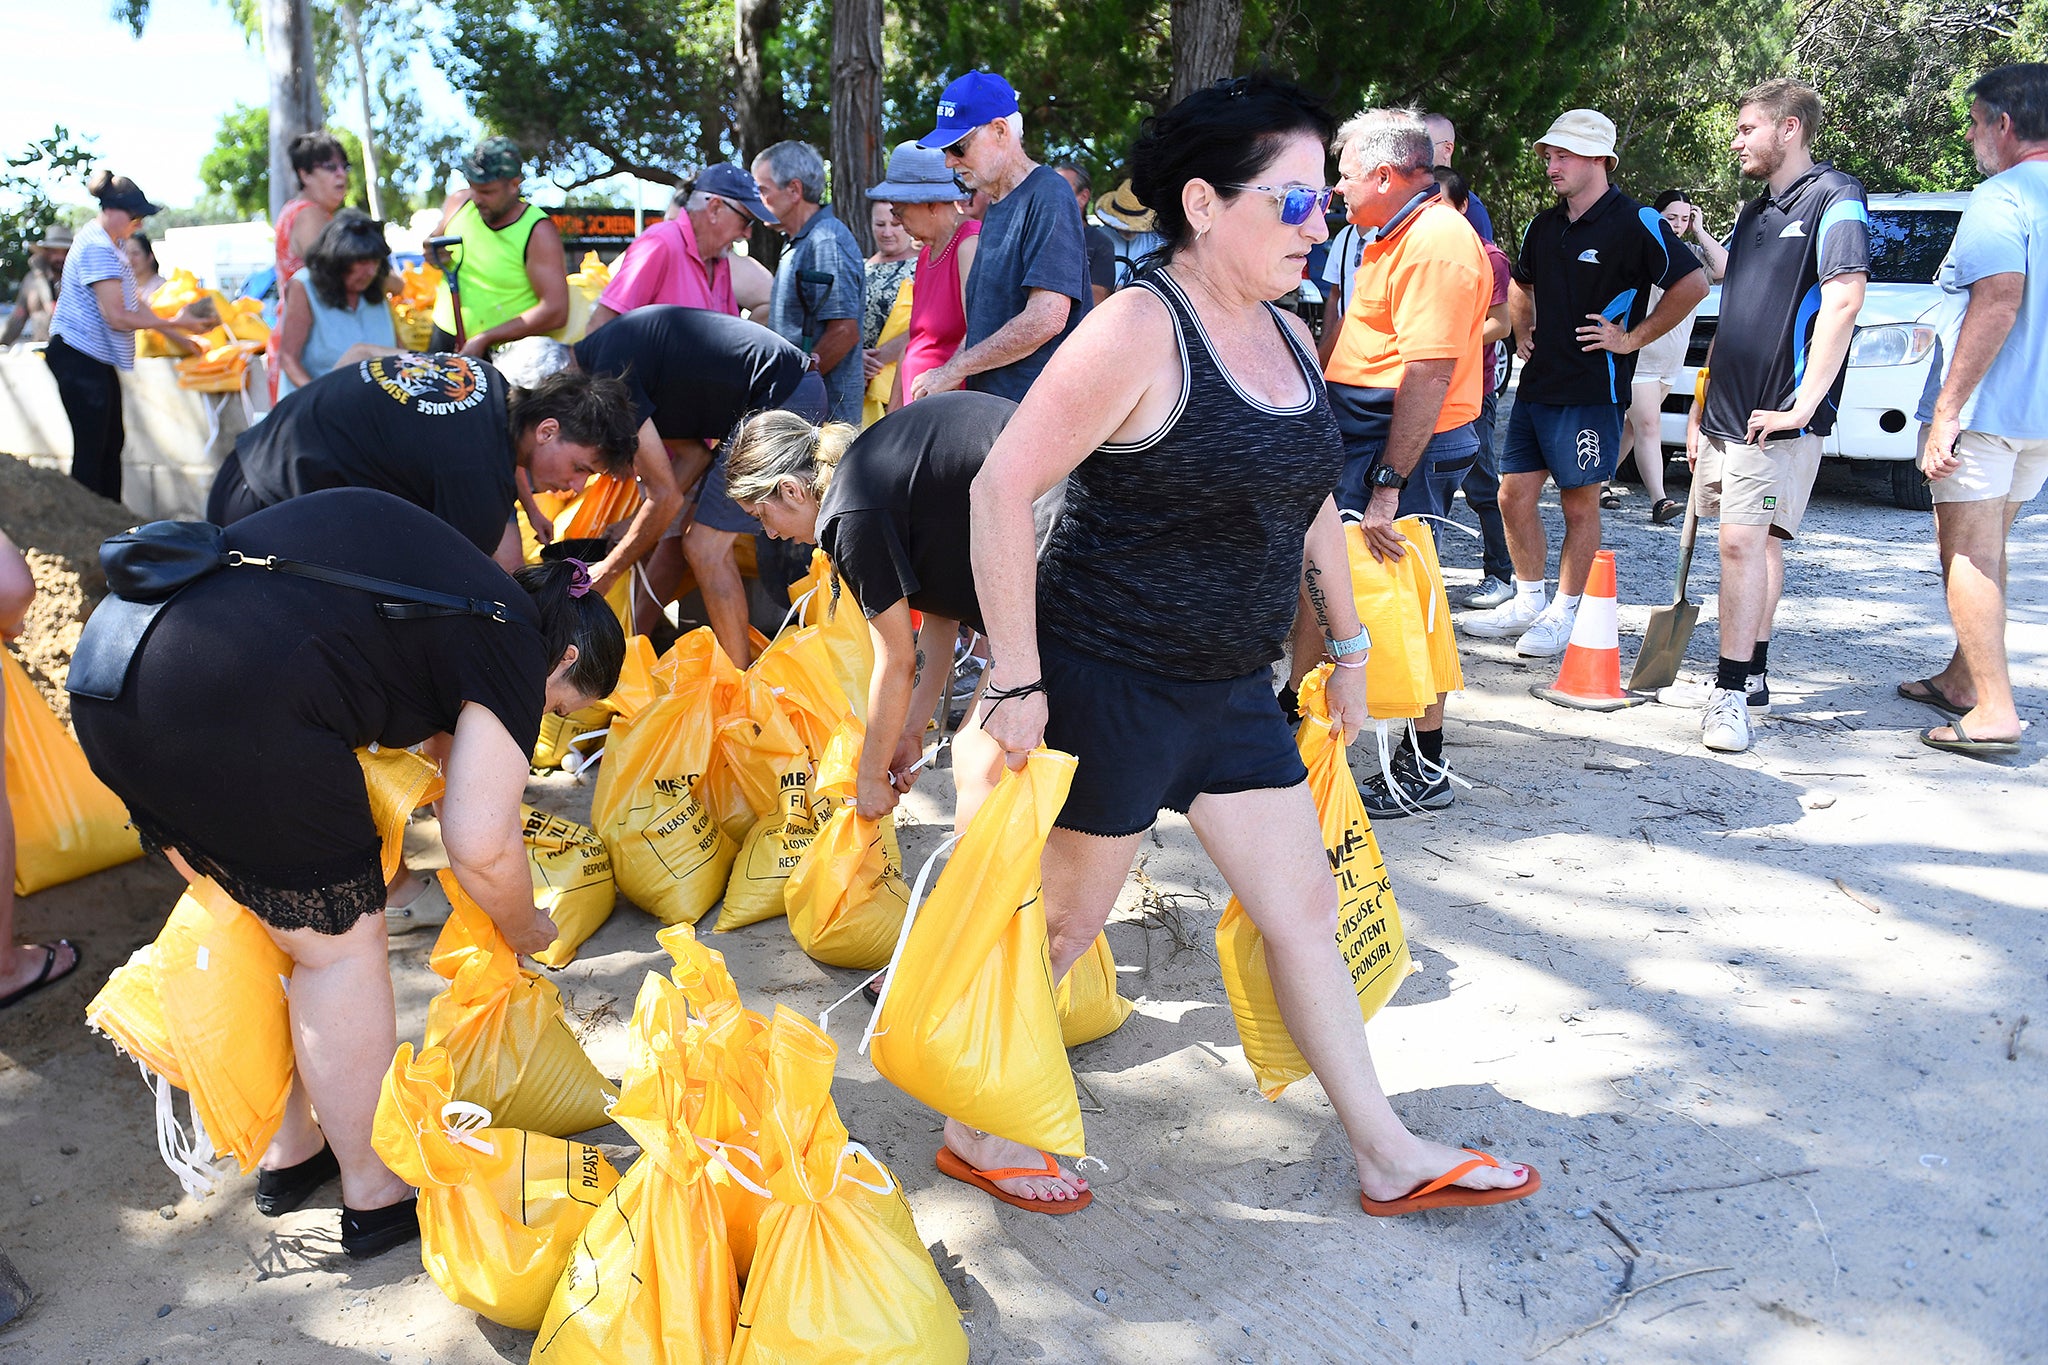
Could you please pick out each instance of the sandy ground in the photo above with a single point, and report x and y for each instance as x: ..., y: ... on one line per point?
x: 1754, y: 1018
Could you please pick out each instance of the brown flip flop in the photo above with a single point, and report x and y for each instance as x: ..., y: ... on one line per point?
x: 950, y: 1163
x: 1930, y: 694
x: 1441, y: 1193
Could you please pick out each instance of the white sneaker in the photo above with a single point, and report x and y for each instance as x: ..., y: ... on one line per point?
x: 1694, y: 695
x: 1548, y: 634
x: 1725, y: 727
x: 1511, y: 617
x: 1491, y: 592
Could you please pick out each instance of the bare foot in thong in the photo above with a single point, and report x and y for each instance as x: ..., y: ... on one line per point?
x: 987, y: 1152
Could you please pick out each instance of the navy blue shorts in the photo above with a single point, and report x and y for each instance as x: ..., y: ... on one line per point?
x: 1576, y: 443
x: 721, y: 513
x: 1147, y: 743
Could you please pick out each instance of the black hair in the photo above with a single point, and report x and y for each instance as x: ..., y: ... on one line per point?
x: 1670, y: 197
x: 314, y: 149
x: 2020, y: 92
x: 1226, y: 134
x: 593, y: 410
x: 1084, y: 182
x: 104, y: 186
x: 586, y: 622
x: 350, y: 238
x: 141, y: 240
x: 1457, y: 189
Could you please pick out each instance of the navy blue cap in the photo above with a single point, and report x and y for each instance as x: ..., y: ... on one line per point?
x: 974, y: 99
x: 728, y: 181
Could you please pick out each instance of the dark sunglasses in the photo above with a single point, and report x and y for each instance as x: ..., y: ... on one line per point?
x: 960, y: 148
x: 1297, y: 202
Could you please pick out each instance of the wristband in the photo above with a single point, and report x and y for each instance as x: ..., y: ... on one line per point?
x: 1349, y: 663
x: 1357, y: 644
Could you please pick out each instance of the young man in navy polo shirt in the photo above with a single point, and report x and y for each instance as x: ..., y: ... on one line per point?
x: 1797, y: 263
x: 1579, y: 300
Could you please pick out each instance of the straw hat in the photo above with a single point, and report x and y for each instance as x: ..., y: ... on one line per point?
x: 1120, y: 209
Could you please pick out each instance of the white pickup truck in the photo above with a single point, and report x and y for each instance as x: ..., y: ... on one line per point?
x: 1910, y: 236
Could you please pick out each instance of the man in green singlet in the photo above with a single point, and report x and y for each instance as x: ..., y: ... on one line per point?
x: 511, y: 270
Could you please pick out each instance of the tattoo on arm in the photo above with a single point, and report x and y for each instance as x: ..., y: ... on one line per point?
x: 1309, y: 578
x: 917, y: 669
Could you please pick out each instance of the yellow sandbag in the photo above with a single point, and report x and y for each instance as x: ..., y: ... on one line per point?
x: 1435, y: 601
x: 638, y: 688
x: 700, y: 972
x: 1369, y: 933
x: 129, y: 1011
x: 511, y: 1047
x: 696, y: 665
x: 1087, y: 998
x: 846, y: 896
x: 850, y: 644
x: 834, y: 1281
x: 500, y: 1209
x: 669, y: 853
x: 1399, y: 683
x: 799, y: 665
x: 757, y: 743
x: 399, y: 782
x: 66, y: 823
x: 966, y: 1022
x: 651, y: 1278
x: 572, y: 880
x: 559, y: 735
x: 770, y: 854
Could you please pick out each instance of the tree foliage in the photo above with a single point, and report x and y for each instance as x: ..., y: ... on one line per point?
x: 27, y: 209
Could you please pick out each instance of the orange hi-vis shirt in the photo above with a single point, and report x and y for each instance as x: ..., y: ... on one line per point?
x: 1422, y: 292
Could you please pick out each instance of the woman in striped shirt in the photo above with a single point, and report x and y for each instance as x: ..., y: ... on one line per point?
x: 92, y: 331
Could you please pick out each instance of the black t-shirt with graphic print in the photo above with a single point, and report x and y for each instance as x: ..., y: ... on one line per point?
x: 431, y: 429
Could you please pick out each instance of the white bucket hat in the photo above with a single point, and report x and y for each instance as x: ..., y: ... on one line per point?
x: 1586, y: 132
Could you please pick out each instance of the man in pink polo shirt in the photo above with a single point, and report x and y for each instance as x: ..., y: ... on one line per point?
x: 683, y: 260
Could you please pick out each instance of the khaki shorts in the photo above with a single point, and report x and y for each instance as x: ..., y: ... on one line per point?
x: 1992, y: 467
x: 1747, y: 485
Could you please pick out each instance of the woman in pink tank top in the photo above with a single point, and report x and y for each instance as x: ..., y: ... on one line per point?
x: 929, y: 200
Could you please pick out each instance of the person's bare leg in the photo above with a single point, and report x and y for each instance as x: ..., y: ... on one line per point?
x: 663, y: 571
x: 20, y: 963
x: 1774, y: 585
x: 1079, y: 876
x: 1268, y: 846
x: 298, y: 1135
x: 1745, y: 588
x: 510, y: 554
x: 1581, y: 538
x: 344, y: 1032
x: 710, y: 554
x: 1523, y: 521
x: 1973, y: 543
x: 1954, y: 680
x: 1645, y: 422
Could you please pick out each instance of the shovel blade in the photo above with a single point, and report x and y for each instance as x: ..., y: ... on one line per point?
x: 1663, y: 649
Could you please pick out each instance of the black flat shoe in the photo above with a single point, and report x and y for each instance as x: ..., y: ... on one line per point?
x: 375, y: 1231
x: 279, y: 1192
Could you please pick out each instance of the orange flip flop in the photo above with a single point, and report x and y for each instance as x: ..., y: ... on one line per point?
x: 1441, y: 1193
x: 951, y: 1164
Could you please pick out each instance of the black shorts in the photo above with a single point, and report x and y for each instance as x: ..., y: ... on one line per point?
x: 1147, y: 743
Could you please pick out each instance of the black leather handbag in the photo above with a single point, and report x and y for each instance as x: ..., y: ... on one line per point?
x: 147, y: 567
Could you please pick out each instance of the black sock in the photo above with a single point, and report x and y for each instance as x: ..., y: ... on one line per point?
x: 1430, y: 745
x: 1733, y: 673
x: 1760, y: 661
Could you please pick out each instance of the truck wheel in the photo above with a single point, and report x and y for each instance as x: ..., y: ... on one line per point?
x: 1910, y: 488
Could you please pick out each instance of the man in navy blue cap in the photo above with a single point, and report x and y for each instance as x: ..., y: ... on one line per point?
x: 1029, y: 288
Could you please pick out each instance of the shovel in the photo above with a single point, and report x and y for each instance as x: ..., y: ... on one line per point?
x: 1669, y: 628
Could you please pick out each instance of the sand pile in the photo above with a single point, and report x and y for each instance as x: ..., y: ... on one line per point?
x: 58, y: 524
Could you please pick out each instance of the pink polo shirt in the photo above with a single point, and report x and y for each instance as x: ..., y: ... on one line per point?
x: 662, y: 266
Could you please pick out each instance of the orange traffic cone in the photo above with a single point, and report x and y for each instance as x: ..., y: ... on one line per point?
x: 1590, y: 679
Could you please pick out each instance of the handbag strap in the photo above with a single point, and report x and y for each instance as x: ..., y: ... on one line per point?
x: 402, y: 602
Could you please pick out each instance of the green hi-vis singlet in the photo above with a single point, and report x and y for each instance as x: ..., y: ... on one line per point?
x: 491, y: 268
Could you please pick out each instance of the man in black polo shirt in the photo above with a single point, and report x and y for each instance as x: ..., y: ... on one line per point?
x: 1579, y: 300
x: 691, y: 375
x: 1797, y: 265
x: 444, y: 432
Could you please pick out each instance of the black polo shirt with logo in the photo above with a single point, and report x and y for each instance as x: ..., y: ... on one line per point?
x: 1605, y: 262
x: 1783, y: 249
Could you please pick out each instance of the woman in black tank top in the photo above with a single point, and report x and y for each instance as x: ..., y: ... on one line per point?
x: 1189, y: 421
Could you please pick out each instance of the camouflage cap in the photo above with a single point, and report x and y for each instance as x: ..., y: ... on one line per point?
x: 495, y: 158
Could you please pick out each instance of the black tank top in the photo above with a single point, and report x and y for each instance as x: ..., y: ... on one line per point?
x: 1181, y: 554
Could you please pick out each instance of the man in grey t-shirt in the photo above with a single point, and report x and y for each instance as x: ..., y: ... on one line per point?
x: 1029, y: 288
x: 821, y: 282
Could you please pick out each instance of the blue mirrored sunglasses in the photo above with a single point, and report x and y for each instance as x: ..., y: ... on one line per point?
x: 1297, y: 202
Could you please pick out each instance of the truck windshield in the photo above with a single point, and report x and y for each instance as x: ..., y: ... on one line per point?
x: 1906, y: 245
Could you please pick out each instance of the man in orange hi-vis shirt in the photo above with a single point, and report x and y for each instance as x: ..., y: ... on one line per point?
x: 1405, y: 377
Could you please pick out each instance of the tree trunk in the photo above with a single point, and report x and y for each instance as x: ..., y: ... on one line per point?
x: 857, y: 156
x: 1204, y: 44
x: 352, y: 21
x: 757, y: 109
x: 294, y: 90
